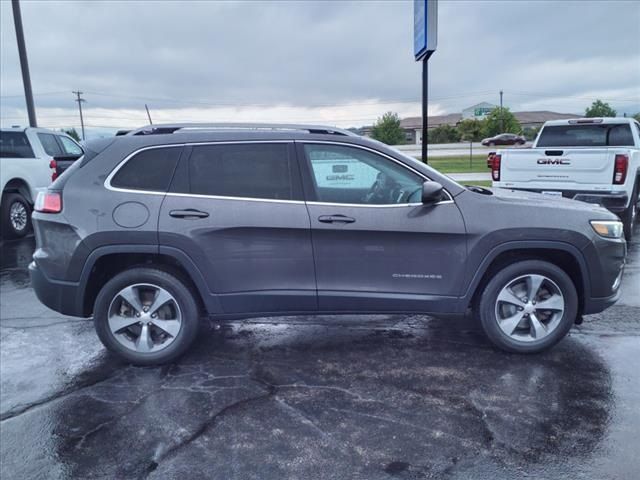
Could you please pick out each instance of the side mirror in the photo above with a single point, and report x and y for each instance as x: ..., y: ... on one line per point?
x: 431, y: 193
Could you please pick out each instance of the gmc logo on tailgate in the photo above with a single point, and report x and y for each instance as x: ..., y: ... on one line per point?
x: 554, y: 161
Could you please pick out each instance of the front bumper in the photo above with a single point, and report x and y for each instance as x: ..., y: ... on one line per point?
x: 606, y: 260
x: 55, y: 294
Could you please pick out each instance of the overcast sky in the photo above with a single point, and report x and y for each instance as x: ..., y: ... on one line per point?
x: 342, y: 63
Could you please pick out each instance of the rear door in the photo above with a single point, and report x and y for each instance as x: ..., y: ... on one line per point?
x: 376, y: 247
x: 237, y: 210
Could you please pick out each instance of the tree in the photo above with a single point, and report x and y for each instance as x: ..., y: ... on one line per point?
x: 501, y: 121
x: 530, y: 133
x: 443, y: 134
x: 600, y: 109
x: 637, y: 116
x: 387, y: 129
x: 471, y: 129
x: 72, y: 133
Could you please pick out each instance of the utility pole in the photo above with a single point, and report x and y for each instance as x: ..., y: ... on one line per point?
x: 24, y: 64
x: 80, y: 100
x: 148, y: 114
x: 501, y: 116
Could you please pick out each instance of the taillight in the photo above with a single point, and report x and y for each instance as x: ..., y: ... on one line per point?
x: 489, y: 159
x: 49, y: 202
x: 53, y: 165
x: 495, y: 167
x: 620, y: 169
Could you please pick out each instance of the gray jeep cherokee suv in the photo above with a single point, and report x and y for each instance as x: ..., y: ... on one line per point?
x: 152, y: 231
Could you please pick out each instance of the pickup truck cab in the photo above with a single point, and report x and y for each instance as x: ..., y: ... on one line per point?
x: 595, y: 160
x: 30, y: 159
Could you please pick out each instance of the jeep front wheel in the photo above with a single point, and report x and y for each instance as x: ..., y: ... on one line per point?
x: 528, y: 306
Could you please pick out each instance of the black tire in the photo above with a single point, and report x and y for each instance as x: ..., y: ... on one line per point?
x: 486, y: 306
x: 173, y: 285
x: 630, y: 215
x: 7, y: 226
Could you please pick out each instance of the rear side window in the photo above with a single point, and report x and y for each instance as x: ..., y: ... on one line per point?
x: 51, y: 147
x: 251, y: 170
x: 591, y: 135
x: 149, y: 170
x: 15, y: 145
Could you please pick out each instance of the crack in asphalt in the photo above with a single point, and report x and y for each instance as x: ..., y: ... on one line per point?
x: 22, y: 409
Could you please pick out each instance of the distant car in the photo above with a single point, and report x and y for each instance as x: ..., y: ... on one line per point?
x: 504, y: 139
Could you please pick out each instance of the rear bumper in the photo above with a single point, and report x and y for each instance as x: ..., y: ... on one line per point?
x: 55, y: 294
x: 614, y: 202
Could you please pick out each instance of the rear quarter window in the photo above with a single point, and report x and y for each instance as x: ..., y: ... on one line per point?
x: 149, y: 170
x: 15, y: 145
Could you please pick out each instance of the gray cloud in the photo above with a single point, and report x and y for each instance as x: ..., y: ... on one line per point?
x: 207, y: 54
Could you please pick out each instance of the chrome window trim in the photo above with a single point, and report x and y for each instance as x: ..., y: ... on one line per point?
x: 377, y: 152
x: 108, y: 186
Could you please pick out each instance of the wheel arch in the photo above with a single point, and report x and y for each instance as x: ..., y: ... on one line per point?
x: 105, y: 262
x: 563, y: 255
x: 18, y: 185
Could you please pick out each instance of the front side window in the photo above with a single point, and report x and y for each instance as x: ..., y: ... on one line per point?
x: 15, y: 145
x: 70, y: 147
x: 49, y: 144
x: 150, y: 170
x: 352, y: 175
x: 251, y: 170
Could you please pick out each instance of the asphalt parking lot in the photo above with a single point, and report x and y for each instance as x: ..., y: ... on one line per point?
x: 316, y: 398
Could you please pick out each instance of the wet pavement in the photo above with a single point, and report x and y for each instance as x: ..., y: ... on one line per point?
x: 386, y: 397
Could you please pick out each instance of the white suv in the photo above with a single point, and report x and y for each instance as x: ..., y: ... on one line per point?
x: 27, y: 163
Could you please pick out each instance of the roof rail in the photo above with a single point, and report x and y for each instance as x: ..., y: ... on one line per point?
x: 159, y: 129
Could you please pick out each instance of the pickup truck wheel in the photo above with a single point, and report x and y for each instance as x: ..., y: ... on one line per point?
x: 146, y: 316
x: 630, y: 215
x: 15, y: 214
x: 528, y: 306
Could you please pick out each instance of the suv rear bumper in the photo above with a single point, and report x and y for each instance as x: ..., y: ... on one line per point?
x: 55, y: 294
x: 614, y: 202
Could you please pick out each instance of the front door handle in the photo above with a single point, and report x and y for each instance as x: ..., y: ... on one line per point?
x: 335, y: 219
x: 188, y: 213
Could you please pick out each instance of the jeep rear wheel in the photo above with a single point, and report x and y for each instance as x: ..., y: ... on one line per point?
x: 528, y: 306
x: 15, y: 216
x: 146, y: 316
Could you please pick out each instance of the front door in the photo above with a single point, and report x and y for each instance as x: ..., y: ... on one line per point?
x: 236, y: 209
x: 376, y: 246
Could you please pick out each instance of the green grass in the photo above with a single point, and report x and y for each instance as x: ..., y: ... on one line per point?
x: 459, y: 164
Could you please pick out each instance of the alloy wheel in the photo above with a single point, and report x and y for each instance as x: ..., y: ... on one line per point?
x: 18, y: 216
x: 144, y: 318
x: 529, y: 308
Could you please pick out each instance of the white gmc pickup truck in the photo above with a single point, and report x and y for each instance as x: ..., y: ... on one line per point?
x: 595, y: 160
x: 30, y: 158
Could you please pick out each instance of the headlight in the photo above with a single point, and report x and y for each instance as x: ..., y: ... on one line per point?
x: 607, y: 228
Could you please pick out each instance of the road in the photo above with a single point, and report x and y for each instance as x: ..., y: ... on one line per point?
x: 451, y: 149
x: 386, y: 397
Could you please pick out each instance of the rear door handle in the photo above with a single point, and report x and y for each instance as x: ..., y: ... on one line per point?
x: 188, y: 213
x: 335, y: 219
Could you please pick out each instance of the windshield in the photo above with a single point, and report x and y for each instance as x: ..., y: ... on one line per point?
x: 591, y: 135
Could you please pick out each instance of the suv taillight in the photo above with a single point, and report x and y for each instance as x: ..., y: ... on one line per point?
x: 54, y: 166
x: 495, y: 167
x: 48, y: 202
x: 620, y: 169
